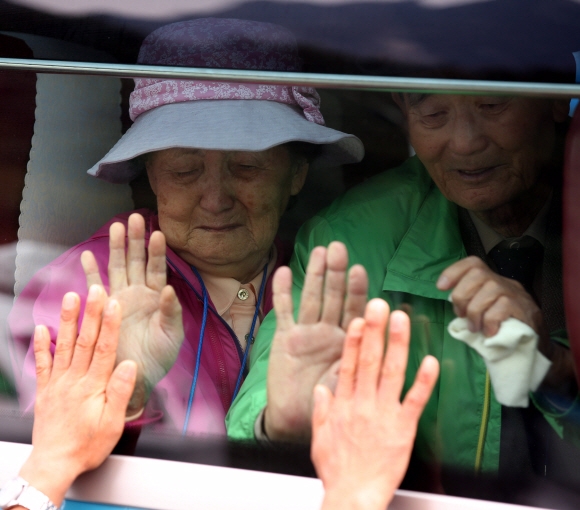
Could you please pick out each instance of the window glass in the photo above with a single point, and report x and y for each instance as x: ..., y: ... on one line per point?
x: 435, y: 165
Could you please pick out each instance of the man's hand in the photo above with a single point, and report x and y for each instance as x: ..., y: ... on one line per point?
x: 306, y: 353
x: 152, y: 326
x: 81, y: 398
x: 362, y: 436
x: 486, y: 299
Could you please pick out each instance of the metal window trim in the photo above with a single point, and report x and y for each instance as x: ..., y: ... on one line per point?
x: 329, y: 81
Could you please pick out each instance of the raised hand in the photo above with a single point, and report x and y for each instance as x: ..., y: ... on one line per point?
x: 362, y: 436
x: 306, y: 352
x: 152, y: 326
x: 81, y: 398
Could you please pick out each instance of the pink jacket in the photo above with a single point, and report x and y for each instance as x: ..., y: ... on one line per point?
x: 40, y: 302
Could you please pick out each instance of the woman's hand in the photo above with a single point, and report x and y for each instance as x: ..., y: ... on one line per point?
x: 362, y: 436
x: 81, y: 398
x: 306, y: 352
x: 152, y: 326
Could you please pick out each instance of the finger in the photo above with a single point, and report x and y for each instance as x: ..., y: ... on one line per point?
x: 67, y: 333
x: 371, y: 352
x: 348, y: 363
x: 42, y: 357
x: 311, y: 300
x: 117, y: 262
x: 105, y: 352
x: 322, y: 401
x: 170, y: 319
x: 395, y: 362
x: 119, y: 390
x: 356, y: 295
x: 90, y: 327
x: 451, y: 276
x: 156, y: 264
x: 417, y: 397
x: 282, y: 299
x: 480, y: 303
x: 91, y: 269
x: 503, y: 308
x: 334, y: 283
x: 468, y: 287
x: 136, y: 250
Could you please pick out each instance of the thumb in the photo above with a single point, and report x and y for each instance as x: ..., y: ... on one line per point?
x: 120, y: 388
x: 322, y: 399
x: 171, y: 314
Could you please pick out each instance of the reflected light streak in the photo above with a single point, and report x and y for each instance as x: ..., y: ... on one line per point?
x: 178, y: 8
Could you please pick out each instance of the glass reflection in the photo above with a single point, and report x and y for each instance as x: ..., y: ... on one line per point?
x: 487, y: 172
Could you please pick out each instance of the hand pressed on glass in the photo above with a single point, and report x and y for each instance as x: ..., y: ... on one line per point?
x: 363, y: 435
x: 307, y: 352
x: 152, y: 327
x: 81, y: 397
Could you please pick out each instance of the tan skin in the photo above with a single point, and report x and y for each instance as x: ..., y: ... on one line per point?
x: 218, y: 211
x: 492, y: 156
x: 81, y: 397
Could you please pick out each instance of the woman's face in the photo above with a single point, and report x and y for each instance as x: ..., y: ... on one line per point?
x: 220, y: 210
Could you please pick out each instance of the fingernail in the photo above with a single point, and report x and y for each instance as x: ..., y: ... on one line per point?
x: 471, y: 326
x: 318, y: 394
x: 69, y: 300
x: 443, y: 282
x: 127, y: 371
x: 94, y: 292
x: 112, y: 306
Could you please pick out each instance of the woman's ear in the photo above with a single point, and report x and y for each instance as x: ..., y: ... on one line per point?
x: 299, y: 177
x: 151, y: 176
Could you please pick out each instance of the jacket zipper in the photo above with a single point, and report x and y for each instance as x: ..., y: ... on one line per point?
x: 220, y: 361
x: 484, y: 422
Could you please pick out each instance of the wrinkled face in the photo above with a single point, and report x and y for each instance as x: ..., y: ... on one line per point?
x: 220, y: 210
x: 483, y: 152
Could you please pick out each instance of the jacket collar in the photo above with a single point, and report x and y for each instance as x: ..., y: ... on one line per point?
x: 431, y: 244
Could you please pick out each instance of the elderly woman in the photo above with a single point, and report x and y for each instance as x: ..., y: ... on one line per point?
x: 223, y: 160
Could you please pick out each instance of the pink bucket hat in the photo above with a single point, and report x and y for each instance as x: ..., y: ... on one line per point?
x: 222, y: 115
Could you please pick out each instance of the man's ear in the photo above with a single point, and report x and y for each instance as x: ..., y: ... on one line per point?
x: 399, y: 99
x: 560, y: 109
x: 299, y: 177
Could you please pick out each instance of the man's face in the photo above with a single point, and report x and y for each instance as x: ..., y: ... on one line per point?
x: 483, y: 152
x: 220, y: 210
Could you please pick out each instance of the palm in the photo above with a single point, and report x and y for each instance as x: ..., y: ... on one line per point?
x: 145, y: 337
x: 152, y: 327
x: 307, y: 352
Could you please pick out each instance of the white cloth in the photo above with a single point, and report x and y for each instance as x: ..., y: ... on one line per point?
x: 515, y: 365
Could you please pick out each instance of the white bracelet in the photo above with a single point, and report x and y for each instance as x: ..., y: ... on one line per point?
x: 134, y: 416
x: 18, y: 492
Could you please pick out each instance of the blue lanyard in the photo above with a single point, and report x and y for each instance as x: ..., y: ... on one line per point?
x: 201, y: 336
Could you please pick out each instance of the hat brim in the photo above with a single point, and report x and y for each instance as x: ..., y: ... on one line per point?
x: 229, y: 125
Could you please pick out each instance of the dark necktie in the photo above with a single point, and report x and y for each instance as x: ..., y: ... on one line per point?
x: 522, y: 429
x: 518, y: 260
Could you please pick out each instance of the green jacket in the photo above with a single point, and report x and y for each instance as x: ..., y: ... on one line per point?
x: 405, y: 233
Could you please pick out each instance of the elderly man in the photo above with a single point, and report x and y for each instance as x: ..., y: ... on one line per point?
x: 484, y: 180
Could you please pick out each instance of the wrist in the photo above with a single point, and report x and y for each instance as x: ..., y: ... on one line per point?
x: 340, y: 498
x: 279, y: 429
x: 137, y: 402
x: 52, y: 478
